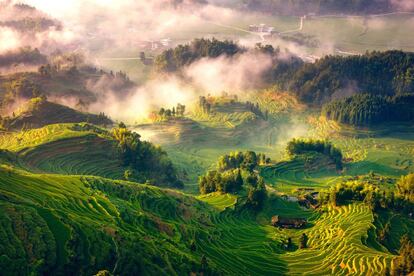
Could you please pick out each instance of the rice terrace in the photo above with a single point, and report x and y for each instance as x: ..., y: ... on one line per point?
x: 207, y: 137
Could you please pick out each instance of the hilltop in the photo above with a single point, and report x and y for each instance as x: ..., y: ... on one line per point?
x: 39, y: 112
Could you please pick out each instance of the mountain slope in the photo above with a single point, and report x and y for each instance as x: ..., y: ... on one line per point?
x: 39, y: 112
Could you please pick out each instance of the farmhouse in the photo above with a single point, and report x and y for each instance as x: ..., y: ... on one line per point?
x: 262, y: 28
x: 279, y: 221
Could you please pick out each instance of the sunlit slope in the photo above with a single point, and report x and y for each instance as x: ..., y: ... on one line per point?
x: 336, y: 246
x: 38, y: 112
x: 71, y: 224
x: 74, y: 224
x: 81, y: 149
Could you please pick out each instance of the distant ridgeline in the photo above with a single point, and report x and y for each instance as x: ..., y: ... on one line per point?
x: 366, y: 109
x: 381, y: 73
x: 300, y: 7
x: 26, y: 55
x: 172, y: 60
x: 39, y: 112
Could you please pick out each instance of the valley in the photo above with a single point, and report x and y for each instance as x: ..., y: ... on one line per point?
x: 207, y: 137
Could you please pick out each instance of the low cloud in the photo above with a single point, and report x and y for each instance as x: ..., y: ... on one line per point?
x: 236, y: 74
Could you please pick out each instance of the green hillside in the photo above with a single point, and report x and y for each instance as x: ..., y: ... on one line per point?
x: 38, y: 112
x: 75, y: 224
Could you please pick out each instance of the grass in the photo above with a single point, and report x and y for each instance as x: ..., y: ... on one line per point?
x: 336, y: 245
x: 100, y: 221
x: 219, y: 201
x: 63, y: 212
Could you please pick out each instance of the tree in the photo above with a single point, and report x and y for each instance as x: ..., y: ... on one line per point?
x: 404, y: 263
x: 405, y: 187
x: 161, y: 112
x: 103, y: 273
x: 204, y: 263
x: 257, y: 195
x: 145, y: 161
x: 238, y: 181
x: 127, y: 174
x: 289, y: 244
x: 303, y: 241
x: 121, y: 125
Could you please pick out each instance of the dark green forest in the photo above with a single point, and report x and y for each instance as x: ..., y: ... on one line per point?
x: 366, y: 109
x: 380, y: 73
x: 302, y: 146
x: 146, y: 162
x: 173, y: 59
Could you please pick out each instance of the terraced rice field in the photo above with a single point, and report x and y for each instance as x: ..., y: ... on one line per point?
x: 95, y: 212
x: 219, y: 201
x: 108, y: 219
x: 286, y: 176
x: 87, y: 155
x: 336, y: 245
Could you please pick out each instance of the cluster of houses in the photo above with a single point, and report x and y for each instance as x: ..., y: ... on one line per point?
x: 283, y: 222
x: 262, y: 28
x: 153, y: 45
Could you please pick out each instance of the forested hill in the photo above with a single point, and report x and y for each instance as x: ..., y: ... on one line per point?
x: 365, y: 109
x: 381, y: 73
x: 173, y: 59
x: 284, y: 63
x: 301, y: 7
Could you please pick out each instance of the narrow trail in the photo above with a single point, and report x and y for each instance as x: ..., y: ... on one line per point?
x: 301, y: 23
x: 117, y: 253
x: 237, y: 29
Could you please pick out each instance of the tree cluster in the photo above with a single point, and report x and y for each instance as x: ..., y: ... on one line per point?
x: 301, y: 146
x: 24, y: 55
x: 177, y: 111
x: 366, y: 109
x: 381, y: 73
x: 204, y: 105
x: 235, y: 171
x: 227, y: 182
x: 255, y: 108
x: 248, y: 160
x: 146, y: 162
x: 377, y: 199
x: 256, y: 191
x: 405, y: 187
x: 404, y: 263
x: 172, y: 60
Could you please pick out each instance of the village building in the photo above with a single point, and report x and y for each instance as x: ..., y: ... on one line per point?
x: 283, y: 222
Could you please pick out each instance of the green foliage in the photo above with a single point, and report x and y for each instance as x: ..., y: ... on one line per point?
x: 303, y: 241
x: 228, y: 182
x: 380, y: 73
x: 146, y: 162
x: 257, y: 194
x: 405, y: 187
x: 301, y: 146
x: 366, y: 109
x: 39, y: 112
x: 248, y: 160
x: 228, y: 178
x: 404, y: 263
x: 373, y: 196
x: 174, y: 59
